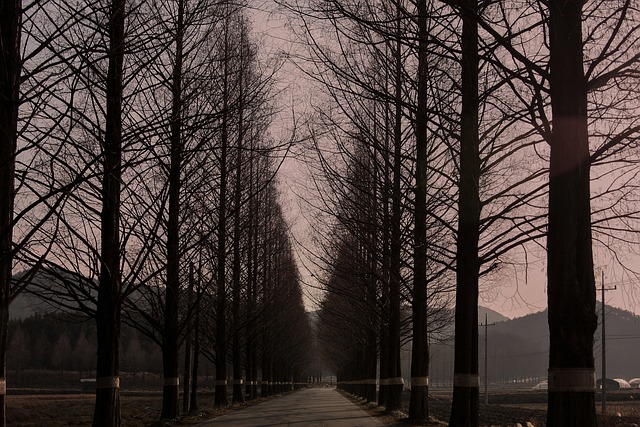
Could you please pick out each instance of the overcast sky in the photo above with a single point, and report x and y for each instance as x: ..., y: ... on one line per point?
x: 513, y: 293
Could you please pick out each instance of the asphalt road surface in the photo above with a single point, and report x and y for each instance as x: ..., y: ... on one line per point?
x: 314, y: 407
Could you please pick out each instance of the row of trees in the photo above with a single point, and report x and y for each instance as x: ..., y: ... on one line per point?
x: 139, y: 186
x: 455, y: 138
x: 59, y: 342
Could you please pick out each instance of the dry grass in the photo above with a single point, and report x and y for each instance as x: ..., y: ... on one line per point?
x: 57, y: 410
x: 614, y: 409
x: 76, y: 410
x: 138, y: 411
x: 620, y: 413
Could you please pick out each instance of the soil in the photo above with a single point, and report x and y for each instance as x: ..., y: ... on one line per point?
x: 138, y: 410
x: 513, y: 410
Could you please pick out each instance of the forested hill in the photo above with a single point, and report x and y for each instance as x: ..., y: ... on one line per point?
x: 492, y: 316
x: 518, y: 349
x: 527, y: 339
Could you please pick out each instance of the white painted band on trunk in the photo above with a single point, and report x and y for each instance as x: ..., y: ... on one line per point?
x: 466, y: 380
x: 395, y: 381
x: 419, y: 381
x: 172, y: 381
x: 355, y: 382
x: 221, y: 382
x: 108, y: 382
x: 3, y: 386
x: 570, y: 379
x: 236, y: 382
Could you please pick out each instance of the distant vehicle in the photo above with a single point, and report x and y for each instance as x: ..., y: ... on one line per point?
x: 634, y: 382
x: 542, y: 385
x: 612, y: 384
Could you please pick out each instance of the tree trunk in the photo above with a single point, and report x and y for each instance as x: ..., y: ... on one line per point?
x: 571, y: 284
x: 371, y: 354
x: 10, y: 22
x: 466, y: 387
x: 107, y: 404
x: 268, y: 271
x: 418, y: 404
x: 187, y: 345
x: 386, y: 259
x: 394, y: 384
x: 170, y: 391
x: 221, y: 339
x: 193, y: 404
x: 265, y: 389
x: 238, y: 394
x: 252, y: 255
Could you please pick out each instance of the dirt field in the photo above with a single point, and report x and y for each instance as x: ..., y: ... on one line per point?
x: 76, y: 410
x: 516, y: 407
x: 143, y: 410
x: 621, y: 414
x: 55, y: 410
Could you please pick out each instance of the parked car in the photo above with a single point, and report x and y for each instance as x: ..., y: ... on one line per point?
x: 542, y: 385
x: 634, y: 382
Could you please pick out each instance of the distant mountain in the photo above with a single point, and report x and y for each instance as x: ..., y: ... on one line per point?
x: 527, y: 339
x: 44, y: 282
x: 518, y: 349
x: 619, y: 323
x: 530, y: 327
x: 492, y: 316
x: 23, y: 306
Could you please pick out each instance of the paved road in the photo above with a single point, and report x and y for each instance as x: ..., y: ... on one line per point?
x: 315, y: 407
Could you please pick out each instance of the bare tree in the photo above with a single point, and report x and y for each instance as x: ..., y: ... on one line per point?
x: 19, y: 353
x: 10, y: 21
x: 569, y: 246
x: 170, y: 392
x: 464, y: 408
x: 418, y: 405
x: 84, y: 354
x: 107, y: 406
x: 61, y: 353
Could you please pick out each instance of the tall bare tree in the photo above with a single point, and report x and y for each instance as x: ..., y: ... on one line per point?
x: 107, y: 406
x: 170, y: 393
x: 10, y: 27
x: 466, y: 386
x: 418, y: 404
x: 571, y: 288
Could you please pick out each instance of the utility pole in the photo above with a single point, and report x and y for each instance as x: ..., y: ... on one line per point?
x: 486, y: 370
x: 603, y: 383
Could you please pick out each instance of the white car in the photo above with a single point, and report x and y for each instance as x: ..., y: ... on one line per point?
x: 634, y: 382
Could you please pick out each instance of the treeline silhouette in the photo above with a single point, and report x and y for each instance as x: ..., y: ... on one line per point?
x: 518, y: 350
x: 59, y: 349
